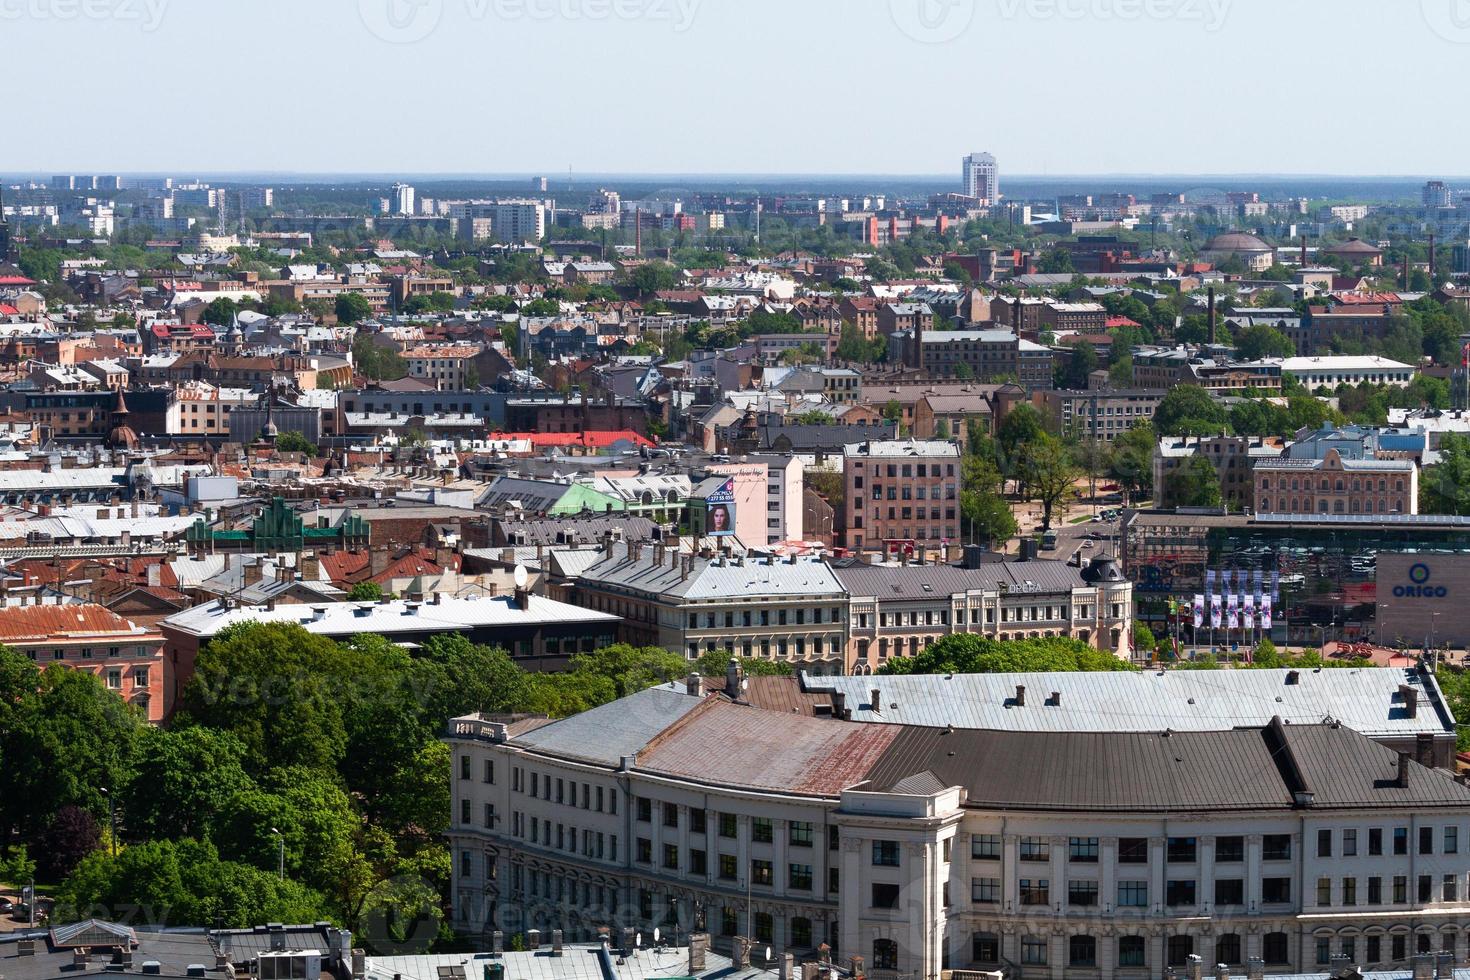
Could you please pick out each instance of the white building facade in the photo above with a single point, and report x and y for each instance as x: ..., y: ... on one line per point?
x: 1272, y: 848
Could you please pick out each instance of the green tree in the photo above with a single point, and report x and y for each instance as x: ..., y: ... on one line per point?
x: 652, y: 277
x: 1445, y: 487
x: 1132, y: 461
x: 366, y: 591
x: 220, y: 311
x: 1188, y: 409
x: 970, y: 653
x: 1195, y: 484
x: 181, y: 778
x: 1120, y: 371
x: 1259, y: 340
x: 986, y: 518
x: 295, y: 442
x: 351, y: 308
x: 1078, y: 368
x: 1052, y: 473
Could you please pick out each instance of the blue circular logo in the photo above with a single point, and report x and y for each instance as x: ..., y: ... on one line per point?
x: 1419, y: 574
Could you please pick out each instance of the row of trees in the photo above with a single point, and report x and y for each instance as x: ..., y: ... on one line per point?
x: 291, y: 753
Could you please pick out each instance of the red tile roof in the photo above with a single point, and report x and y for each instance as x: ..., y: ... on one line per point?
x: 16, y: 281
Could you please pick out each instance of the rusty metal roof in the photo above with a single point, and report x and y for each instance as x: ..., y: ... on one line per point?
x: 782, y: 752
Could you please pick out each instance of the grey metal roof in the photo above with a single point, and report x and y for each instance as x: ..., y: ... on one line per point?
x: 1241, y: 769
x: 1364, y: 699
x: 934, y: 580
x: 719, y: 578
x: 607, y: 733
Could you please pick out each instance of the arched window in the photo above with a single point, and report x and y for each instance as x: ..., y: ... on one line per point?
x: 1283, y: 503
x: 1337, y: 506
x: 1275, y: 949
x: 1180, y: 949
x: 1082, y: 951
x: 1368, y: 505
x: 885, y: 954
x: 1322, y: 506
x: 1227, y: 949
x: 1132, y: 951
x: 1422, y: 942
x: 1357, y: 505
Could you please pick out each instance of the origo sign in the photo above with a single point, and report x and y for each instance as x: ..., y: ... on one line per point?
x: 1419, y: 596
x: 1420, y: 584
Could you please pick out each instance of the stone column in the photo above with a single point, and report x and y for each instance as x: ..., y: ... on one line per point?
x: 1253, y: 872
x: 1206, y: 896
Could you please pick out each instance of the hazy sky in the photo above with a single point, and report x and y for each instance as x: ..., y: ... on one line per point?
x: 765, y: 86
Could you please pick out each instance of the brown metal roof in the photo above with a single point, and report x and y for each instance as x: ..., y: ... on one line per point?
x: 781, y: 752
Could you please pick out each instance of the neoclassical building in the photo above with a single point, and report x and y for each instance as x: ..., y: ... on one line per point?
x: 1093, y: 840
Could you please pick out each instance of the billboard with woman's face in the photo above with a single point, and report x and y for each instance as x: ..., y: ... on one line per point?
x: 719, y: 513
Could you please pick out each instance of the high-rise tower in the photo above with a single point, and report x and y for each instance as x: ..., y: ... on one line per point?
x: 981, y: 177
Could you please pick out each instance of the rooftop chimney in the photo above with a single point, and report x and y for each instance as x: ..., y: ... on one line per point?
x: 1423, y: 966
x: 875, y: 700
x: 1410, y: 696
x: 1401, y: 780
x: 1020, y: 695
x: 1194, y: 966
x: 733, y: 677
x: 694, y: 685
x: 1255, y: 968
x: 698, y: 946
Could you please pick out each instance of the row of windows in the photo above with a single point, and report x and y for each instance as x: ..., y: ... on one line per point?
x: 1132, y: 951
x: 907, y: 469
x: 762, y: 617
x: 1324, y: 484
x: 563, y: 791
x: 1130, y: 894
x: 1134, y: 850
x: 1445, y: 888
x: 1347, y: 841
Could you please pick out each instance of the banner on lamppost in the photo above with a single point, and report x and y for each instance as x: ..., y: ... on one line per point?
x: 1214, y: 612
x: 1232, y: 611
x: 1199, y: 610
x: 1248, y: 611
x: 1265, y: 612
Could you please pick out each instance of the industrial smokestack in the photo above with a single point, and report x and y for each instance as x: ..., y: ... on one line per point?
x: 1304, y: 252
x: 1210, y: 293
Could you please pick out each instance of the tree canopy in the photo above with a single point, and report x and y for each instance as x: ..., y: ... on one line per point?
x: 969, y: 653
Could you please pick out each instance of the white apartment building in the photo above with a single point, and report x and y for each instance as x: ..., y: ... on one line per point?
x: 981, y: 177
x: 402, y: 201
x: 204, y: 410
x: 447, y: 368
x: 1097, y: 842
x: 1353, y: 369
x: 785, y: 485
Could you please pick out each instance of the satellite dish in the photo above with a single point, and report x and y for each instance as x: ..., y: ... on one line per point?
x: 522, y: 576
x: 655, y: 933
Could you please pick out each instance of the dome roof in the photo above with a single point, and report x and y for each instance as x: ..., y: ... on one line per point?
x: 1236, y: 241
x: 1353, y: 246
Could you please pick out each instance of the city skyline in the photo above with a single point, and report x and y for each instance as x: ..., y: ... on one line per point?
x: 1180, y: 115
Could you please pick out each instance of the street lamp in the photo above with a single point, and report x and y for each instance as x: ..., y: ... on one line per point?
x: 111, y: 823
x: 281, y: 864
